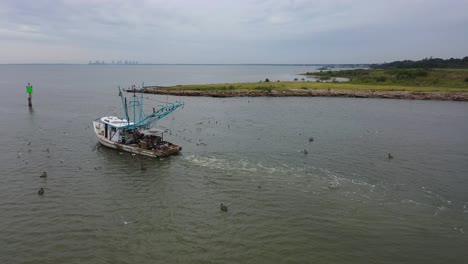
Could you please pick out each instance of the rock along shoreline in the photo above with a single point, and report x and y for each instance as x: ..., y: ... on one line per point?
x: 314, y: 93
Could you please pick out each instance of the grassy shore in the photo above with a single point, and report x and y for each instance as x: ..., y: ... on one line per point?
x: 408, y: 84
x: 292, y: 86
x: 435, y: 78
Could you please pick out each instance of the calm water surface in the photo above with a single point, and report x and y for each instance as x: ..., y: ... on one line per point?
x: 100, y: 206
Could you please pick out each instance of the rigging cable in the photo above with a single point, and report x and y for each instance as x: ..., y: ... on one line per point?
x: 166, y: 102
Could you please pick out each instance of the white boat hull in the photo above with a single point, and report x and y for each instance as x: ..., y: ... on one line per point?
x: 132, y: 148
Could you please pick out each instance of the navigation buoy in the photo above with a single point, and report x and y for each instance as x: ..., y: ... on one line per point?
x: 29, y: 90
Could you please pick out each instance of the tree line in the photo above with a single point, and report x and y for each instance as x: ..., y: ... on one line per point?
x: 427, y: 63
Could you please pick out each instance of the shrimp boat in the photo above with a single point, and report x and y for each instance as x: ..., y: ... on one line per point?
x: 138, y: 135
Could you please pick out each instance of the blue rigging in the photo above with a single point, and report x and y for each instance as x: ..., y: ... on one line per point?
x: 144, y: 121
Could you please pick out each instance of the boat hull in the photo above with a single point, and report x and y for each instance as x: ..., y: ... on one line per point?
x: 172, y: 149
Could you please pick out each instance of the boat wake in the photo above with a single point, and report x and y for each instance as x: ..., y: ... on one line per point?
x: 240, y: 165
x: 315, y: 177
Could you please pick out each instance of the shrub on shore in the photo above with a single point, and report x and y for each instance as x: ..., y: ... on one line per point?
x: 450, y: 78
x: 381, y: 79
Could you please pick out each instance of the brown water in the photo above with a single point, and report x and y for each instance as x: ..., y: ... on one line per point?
x: 99, y: 206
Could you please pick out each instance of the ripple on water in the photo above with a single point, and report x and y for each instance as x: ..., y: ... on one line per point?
x: 101, y: 207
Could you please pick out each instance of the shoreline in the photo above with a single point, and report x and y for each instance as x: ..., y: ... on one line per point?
x: 442, y: 96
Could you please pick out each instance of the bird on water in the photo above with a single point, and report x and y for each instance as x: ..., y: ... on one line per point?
x: 390, y: 156
x: 43, y: 175
x: 41, y: 191
x: 223, y: 207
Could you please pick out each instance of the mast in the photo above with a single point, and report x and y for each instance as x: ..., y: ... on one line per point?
x: 141, y: 102
x: 134, y: 105
x: 124, y: 105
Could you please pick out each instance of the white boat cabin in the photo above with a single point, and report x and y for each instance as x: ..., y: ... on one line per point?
x: 113, y: 128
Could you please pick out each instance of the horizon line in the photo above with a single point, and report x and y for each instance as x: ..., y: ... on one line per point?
x: 107, y: 64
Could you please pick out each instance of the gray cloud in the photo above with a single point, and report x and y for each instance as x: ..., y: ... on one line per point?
x: 268, y: 31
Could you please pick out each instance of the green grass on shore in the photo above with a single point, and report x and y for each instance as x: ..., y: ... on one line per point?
x: 412, y: 80
x: 432, y: 79
x: 298, y: 85
x: 452, y: 70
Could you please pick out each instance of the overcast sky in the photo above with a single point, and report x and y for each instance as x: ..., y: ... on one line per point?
x: 237, y: 31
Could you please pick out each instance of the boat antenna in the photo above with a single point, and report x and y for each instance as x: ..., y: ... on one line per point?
x: 141, y: 101
x: 134, y: 104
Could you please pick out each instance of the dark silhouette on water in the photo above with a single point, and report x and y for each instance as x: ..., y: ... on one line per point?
x: 41, y: 191
x: 43, y: 175
x: 223, y: 207
x: 390, y: 156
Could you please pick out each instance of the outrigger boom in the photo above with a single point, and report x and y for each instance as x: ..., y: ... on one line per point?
x: 149, y: 119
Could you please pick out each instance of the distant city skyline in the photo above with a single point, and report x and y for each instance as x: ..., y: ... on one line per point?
x: 232, y: 32
x: 126, y: 62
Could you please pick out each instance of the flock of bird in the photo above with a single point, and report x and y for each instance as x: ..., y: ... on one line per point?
x: 223, y: 207
x: 46, y: 152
